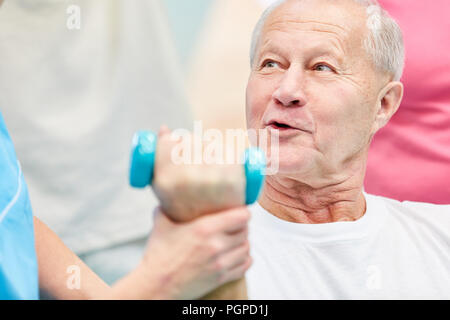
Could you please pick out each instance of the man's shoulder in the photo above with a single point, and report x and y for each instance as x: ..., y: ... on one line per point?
x: 415, y: 206
x: 419, y: 214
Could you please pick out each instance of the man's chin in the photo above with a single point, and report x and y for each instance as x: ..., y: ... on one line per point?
x: 293, y: 164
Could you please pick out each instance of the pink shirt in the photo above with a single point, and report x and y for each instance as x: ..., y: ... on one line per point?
x: 409, y: 159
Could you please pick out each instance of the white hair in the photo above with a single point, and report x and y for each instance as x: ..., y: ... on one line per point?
x: 384, y: 43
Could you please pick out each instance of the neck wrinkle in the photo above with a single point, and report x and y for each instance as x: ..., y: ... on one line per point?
x: 300, y: 203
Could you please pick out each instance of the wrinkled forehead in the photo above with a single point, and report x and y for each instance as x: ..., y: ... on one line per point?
x: 342, y: 20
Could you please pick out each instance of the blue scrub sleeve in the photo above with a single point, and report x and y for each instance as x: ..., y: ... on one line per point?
x: 18, y: 263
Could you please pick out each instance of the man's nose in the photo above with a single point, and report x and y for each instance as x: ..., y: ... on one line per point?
x: 290, y: 93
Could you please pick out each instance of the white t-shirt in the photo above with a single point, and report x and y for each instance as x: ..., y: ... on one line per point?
x: 72, y: 100
x: 397, y: 250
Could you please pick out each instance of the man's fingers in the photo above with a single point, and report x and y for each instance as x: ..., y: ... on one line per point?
x: 229, y: 222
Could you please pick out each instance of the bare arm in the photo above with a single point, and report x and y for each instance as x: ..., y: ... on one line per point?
x: 182, y: 261
x: 54, y: 259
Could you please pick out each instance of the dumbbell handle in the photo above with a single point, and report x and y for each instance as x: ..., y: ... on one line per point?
x: 143, y: 161
x: 142, y: 172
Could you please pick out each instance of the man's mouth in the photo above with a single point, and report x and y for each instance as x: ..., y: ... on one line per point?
x: 280, y: 126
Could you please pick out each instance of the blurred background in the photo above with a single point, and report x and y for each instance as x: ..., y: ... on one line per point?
x: 79, y: 77
x: 212, y: 41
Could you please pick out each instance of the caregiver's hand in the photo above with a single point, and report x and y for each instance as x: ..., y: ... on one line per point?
x: 182, y: 261
x: 188, y: 260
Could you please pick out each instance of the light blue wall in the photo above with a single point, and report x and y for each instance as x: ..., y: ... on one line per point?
x: 186, y: 18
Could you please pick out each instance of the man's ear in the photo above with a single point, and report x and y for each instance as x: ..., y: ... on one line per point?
x: 388, y: 102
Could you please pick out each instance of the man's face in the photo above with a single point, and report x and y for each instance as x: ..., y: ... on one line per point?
x: 311, y: 72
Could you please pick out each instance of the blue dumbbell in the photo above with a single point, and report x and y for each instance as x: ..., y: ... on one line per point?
x: 143, y: 160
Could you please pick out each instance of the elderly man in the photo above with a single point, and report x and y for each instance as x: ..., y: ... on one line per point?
x: 325, y: 74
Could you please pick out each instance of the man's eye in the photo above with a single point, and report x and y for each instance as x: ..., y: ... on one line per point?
x: 322, y: 67
x: 270, y: 64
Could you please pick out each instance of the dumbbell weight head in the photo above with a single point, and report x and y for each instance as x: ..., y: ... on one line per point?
x: 254, y: 165
x: 143, y: 160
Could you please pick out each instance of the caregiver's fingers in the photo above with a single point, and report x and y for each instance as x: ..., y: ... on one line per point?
x: 228, y: 221
x: 232, y: 241
x: 236, y: 256
x: 232, y: 264
x: 238, y: 271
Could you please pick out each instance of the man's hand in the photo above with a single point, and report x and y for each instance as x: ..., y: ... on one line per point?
x: 188, y: 260
x: 187, y: 191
